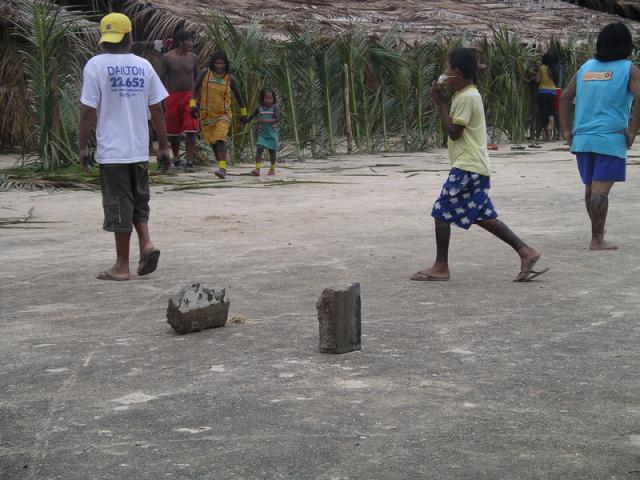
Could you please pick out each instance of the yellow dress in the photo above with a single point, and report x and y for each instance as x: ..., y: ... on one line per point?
x: 215, y: 107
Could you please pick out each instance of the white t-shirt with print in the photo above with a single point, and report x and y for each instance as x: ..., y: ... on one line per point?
x: 121, y: 87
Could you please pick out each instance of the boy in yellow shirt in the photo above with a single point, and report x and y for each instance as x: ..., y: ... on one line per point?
x: 464, y: 199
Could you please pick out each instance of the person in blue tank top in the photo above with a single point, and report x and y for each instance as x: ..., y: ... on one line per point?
x: 604, y: 89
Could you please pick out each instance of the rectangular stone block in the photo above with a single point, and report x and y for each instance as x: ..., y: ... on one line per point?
x: 339, y: 318
x: 196, y: 308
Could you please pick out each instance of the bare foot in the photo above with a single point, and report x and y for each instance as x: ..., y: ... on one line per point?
x: 529, y: 256
x: 435, y: 273
x: 597, y: 244
x: 146, y: 248
x: 113, y: 274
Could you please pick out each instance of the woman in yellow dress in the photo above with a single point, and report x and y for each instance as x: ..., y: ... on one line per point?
x: 212, y: 103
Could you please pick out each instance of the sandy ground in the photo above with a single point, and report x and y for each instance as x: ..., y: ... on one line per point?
x: 8, y: 161
x: 477, y: 378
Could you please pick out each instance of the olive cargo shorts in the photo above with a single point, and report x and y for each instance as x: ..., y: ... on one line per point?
x: 125, y: 195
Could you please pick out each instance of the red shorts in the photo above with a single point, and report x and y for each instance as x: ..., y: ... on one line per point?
x: 557, y: 102
x: 178, y: 114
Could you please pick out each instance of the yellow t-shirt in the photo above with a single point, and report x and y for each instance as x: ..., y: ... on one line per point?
x: 546, y: 82
x: 469, y: 152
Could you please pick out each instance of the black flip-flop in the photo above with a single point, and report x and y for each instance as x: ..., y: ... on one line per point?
x: 530, y: 275
x: 149, y: 262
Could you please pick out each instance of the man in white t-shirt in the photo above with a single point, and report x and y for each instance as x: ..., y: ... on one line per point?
x: 118, y: 88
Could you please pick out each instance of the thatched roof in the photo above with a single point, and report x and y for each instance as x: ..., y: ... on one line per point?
x: 532, y: 19
x: 627, y: 8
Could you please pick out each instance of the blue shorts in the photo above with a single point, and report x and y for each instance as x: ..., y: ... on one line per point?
x: 597, y: 167
x: 464, y: 199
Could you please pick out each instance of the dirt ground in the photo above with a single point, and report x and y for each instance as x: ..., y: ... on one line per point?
x: 476, y: 378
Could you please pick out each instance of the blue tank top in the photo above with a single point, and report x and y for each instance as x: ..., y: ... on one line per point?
x: 603, y: 105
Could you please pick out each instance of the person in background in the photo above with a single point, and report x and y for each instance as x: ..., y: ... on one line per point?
x: 604, y: 89
x: 267, y: 116
x: 212, y: 93
x: 149, y: 51
x: 178, y: 71
x: 547, y: 77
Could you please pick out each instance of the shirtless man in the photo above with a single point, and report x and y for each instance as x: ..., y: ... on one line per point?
x: 178, y: 70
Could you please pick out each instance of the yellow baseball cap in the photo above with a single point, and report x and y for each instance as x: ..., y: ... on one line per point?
x: 114, y: 27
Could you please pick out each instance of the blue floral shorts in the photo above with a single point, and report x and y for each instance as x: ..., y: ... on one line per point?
x: 464, y: 199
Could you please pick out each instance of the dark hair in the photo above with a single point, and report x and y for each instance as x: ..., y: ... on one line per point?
x: 614, y: 43
x: 465, y: 60
x: 137, y: 48
x: 264, y: 91
x: 551, y: 61
x: 219, y: 55
x: 117, y: 6
x: 110, y: 47
x: 182, y: 36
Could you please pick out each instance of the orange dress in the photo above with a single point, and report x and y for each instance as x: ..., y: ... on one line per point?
x: 215, y: 107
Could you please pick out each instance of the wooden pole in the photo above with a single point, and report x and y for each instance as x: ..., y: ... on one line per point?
x: 347, y: 109
x: 327, y: 95
x: 292, y: 107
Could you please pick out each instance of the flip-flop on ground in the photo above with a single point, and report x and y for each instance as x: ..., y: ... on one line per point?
x: 529, y: 275
x: 107, y: 275
x: 427, y: 277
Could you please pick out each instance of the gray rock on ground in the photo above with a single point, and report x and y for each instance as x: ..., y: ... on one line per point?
x: 339, y: 318
x: 196, y: 307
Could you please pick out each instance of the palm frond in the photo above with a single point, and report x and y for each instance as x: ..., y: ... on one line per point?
x: 55, y: 43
